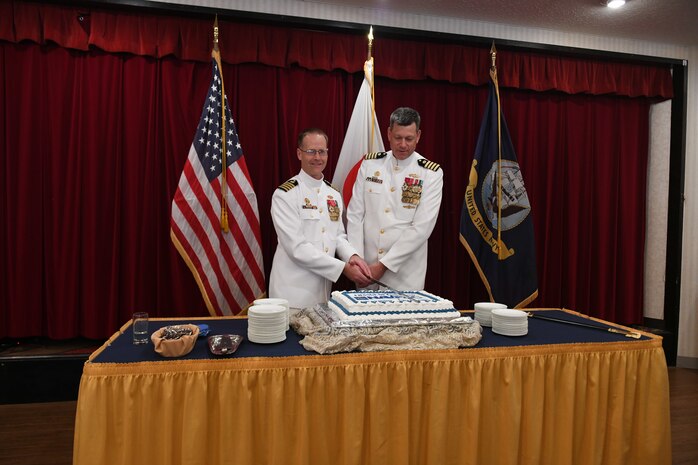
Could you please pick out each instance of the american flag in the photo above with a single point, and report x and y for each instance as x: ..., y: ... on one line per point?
x: 227, y: 266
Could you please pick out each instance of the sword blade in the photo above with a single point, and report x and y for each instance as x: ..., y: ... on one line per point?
x: 375, y: 281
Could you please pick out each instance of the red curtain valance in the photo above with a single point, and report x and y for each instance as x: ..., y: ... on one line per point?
x: 145, y: 34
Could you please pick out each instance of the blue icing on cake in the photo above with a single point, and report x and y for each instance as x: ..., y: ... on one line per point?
x: 390, y: 305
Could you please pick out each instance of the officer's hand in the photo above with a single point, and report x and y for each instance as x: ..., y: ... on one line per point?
x: 363, y: 266
x: 355, y: 273
x: 377, y: 270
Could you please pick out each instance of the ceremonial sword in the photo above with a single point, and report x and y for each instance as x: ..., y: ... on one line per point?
x: 632, y: 334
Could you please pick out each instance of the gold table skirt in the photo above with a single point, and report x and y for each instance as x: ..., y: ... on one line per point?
x: 590, y: 404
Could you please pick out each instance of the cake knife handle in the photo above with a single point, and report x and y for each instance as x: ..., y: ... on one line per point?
x: 375, y: 281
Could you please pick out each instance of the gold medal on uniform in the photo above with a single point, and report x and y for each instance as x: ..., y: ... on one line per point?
x: 332, y: 208
x: 308, y: 205
x: 412, y: 191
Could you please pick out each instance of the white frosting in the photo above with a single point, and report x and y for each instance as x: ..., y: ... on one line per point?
x: 390, y: 305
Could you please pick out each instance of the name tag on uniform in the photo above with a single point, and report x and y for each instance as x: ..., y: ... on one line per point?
x: 308, y: 205
x: 375, y: 178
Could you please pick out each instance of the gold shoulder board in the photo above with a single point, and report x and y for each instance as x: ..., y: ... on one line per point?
x: 430, y: 165
x: 288, y: 185
x: 375, y: 155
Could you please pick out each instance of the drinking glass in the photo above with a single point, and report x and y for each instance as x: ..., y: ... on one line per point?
x: 140, y: 327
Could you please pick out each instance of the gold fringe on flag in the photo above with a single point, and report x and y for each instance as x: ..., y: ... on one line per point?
x: 216, y: 54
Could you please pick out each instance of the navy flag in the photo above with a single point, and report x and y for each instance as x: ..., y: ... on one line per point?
x: 496, y: 226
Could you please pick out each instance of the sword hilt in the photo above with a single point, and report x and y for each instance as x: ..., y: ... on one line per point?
x: 625, y: 333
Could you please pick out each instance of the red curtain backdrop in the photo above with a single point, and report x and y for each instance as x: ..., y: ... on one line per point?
x: 94, y: 142
x: 159, y: 36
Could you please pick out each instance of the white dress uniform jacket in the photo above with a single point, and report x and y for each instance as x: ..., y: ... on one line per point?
x: 391, y: 214
x: 307, y: 216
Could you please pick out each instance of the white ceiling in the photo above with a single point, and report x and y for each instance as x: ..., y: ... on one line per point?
x: 664, y: 21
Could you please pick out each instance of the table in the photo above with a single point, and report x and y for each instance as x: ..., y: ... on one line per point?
x: 589, y: 398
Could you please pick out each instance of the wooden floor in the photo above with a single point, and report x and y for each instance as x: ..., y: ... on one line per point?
x: 683, y: 387
x: 42, y: 433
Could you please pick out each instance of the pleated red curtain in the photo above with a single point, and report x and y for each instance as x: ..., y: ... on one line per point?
x: 159, y: 36
x: 94, y: 142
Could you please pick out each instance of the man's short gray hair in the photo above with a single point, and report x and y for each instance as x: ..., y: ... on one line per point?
x: 404, y: 116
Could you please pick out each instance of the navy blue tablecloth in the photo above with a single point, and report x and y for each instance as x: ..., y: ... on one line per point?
x: 540, y: 332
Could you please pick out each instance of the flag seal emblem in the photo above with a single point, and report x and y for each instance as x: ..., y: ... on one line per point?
x: 514, y: 198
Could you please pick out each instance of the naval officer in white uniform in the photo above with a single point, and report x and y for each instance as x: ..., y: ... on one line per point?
x: 307, y: 215
x: 394, y: 206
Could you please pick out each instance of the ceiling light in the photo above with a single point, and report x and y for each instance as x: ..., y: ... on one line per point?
x: 615, y: 3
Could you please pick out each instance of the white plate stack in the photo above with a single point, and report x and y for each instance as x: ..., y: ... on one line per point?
x: 266, y: 324
x: 483, y: 312
x: 509, y: 322
x: 274, y: 301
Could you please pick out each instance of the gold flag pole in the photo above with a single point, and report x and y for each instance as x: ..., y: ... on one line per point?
x: 493, y: 74
x: 216, y: 54
x: 373, y: 100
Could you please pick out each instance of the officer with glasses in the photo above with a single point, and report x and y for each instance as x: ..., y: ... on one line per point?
x: 307, y: 215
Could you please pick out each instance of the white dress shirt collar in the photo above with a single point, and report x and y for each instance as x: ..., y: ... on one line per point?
x: 310, y: 181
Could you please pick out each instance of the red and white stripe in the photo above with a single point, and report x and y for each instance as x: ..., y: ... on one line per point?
x: 227, y: 266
